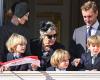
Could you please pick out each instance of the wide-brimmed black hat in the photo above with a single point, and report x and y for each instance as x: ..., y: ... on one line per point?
x: 21, y: 9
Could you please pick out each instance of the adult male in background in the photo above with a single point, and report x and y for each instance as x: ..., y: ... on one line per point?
x: 89, y: 12
x: 16, y: 25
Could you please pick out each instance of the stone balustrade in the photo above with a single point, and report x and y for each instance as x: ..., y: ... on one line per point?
x: 50, y: 75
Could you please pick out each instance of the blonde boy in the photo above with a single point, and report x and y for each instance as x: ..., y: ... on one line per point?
x: 91, y: 59
x: 16, y: 46
x: 59, y: 60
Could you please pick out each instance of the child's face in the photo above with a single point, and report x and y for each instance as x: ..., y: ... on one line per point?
x: 64, y: 64
x: 20, y: 48
x: 94, y: 48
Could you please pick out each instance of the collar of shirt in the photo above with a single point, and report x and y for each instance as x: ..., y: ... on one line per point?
x: 94, y: 28
x: 16, y: 55
x: 57, y: 69
x: 94, y: 55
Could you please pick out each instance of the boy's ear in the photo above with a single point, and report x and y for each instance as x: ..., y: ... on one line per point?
x: 87, y: 46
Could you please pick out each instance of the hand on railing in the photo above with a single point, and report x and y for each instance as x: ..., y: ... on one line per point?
x: 76, y: 62
x: 4, y: 68
x: 34, y: 67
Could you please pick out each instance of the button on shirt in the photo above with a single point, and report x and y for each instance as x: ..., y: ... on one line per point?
x: 94, y: 28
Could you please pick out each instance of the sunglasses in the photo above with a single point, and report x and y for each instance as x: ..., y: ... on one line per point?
x: 51, y: 36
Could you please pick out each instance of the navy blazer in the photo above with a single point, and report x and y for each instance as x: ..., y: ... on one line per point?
x: 86, y: 62
x: 78, y: 43
x: 23, y: 67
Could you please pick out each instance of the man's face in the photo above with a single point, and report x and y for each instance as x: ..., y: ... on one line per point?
x: 89, y: 16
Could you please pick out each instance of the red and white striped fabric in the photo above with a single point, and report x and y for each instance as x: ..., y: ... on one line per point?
x: 29, y: 59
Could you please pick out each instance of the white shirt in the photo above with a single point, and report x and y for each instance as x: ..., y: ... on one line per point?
x: 93, y: 57
x: 57, y: 69
x: 16, y: 55
x: 94, y: 28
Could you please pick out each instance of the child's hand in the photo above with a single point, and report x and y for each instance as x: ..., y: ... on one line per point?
x: 76, y: 62
x: 4, y: 68
x: 34, y: 67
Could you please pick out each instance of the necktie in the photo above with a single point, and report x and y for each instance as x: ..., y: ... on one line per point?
x: 89, y: 31
x: 93, y: 59
x: 88, y: 35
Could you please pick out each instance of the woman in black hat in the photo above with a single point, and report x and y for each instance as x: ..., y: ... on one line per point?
x: 46, y: 44
x: 19, y: 18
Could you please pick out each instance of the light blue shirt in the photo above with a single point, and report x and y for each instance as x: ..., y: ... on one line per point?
x: 94, y: 28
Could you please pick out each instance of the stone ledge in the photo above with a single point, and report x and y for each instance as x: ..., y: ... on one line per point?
x: 50, y: 75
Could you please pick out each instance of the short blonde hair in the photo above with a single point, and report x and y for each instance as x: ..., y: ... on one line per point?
x: 89, y: 5
x: 59, y: 56
x: 95, y: 39
x: 14, y: 40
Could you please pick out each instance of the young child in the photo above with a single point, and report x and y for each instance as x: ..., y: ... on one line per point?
x: 16, y: 46
x: 59, y: 61
x: 91, y: 59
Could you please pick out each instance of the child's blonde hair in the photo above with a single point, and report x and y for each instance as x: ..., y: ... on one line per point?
x: 58, y: 56
x: 95, y: 39
x: 14, y: 40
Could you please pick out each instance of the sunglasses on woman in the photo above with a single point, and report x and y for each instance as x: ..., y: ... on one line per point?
x: 51, y: 36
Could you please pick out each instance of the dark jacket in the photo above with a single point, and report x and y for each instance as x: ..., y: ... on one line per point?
x: 86, y: 62
x: 36, y: 49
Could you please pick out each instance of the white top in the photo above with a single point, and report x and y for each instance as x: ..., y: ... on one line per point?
x: 57, y: 69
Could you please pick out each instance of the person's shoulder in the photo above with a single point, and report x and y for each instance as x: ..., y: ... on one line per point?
x: 59, y: 45
x: 80, y: 28
x: 85, y: 54
x: 35, y: 42
x: 50, y: 69
x: 3, y: 28
x: 9, y: 54
x: 6, y: 28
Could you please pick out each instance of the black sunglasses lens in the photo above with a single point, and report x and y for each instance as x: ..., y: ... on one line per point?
x: 55, y: 35
x: 51, y: 36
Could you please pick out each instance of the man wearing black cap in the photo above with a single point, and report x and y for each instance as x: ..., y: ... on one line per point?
x: 19, y: 18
